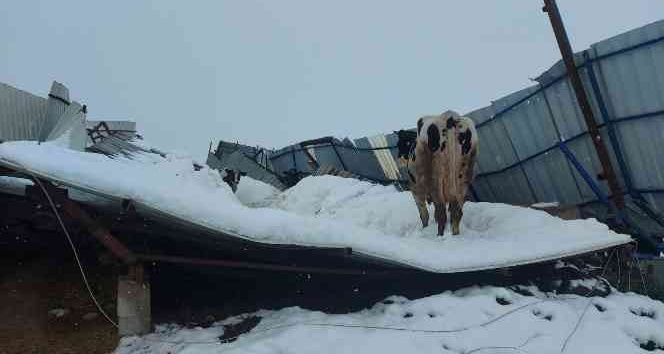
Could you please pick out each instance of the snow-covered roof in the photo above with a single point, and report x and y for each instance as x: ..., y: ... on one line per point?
x: 331, y: 212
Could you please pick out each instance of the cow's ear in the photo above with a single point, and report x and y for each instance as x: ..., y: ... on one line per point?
x: 243, y: 173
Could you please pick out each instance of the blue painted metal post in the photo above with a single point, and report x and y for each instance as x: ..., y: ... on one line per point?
x: 294, y: 160
x: 609, y: 124
x: 585, y: 175
x: 474, y: 193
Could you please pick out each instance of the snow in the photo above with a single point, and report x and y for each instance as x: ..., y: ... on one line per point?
x: 546, y: 205
x: 469, y: 319
x: 254, y: 193
x: 59, y: 313
x: 14, y: 185
x: 325, y: 211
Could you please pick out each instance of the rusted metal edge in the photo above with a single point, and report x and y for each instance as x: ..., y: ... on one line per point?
x: 268, y: 267
x: 73, y: 211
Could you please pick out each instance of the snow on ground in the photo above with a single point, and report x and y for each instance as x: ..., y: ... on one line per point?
x: 324, y: 211
x: 255, y: 193
x: 472, y: 318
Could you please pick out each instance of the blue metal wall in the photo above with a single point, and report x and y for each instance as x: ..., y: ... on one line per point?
x: 534, y: 145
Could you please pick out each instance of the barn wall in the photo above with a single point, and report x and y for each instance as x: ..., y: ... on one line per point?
x: 520, y: 159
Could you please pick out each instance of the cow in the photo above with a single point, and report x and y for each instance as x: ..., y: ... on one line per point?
x: 440, y: 165
x: 232, y: 178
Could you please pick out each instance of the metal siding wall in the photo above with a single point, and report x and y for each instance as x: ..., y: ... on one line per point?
x: 72, y: 123
x: 552, y: 179
x: 20, y: 114
x: 530, y: 127
x: 362, y: 162
x: 634, y: 79
x: 325, y: 155
x: 481, y: 115
x: 656, y: 200
x: 643, y: 148
x: 55, y: 108
x: 483, y: 189
x: 303, y: 160
x: 565, y: 110
x: 495, y: 149
x: 511, y: 187
x: 282, y: 163
x: 386, y: 157
x: 370, y: 164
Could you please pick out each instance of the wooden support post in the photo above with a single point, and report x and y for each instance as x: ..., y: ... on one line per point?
x: 551, y: 8
x: 134, y: 308
x: 75, y: 212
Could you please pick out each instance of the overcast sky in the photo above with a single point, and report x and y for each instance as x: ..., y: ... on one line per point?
x: 274, y: 72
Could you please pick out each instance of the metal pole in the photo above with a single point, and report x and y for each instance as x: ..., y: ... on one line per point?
x: 551, y: 9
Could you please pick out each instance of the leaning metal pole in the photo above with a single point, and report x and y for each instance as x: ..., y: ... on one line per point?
x: 551, y: 8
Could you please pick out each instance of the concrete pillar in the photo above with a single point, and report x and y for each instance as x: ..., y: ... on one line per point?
x: 134, y: 311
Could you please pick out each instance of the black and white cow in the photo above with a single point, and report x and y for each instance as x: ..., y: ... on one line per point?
x: 440, y: 163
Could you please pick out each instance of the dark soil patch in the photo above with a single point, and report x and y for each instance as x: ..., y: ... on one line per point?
x: 33, y: 284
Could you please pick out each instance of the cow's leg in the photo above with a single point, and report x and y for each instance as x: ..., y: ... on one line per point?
x: 456, y: 212
x: 421, y: 175
x: 420, y: 201
x: 441, y: 217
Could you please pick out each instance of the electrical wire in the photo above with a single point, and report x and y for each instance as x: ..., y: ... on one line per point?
x: 578, y: 322
x: 518, y: 348
x: 73, y: 248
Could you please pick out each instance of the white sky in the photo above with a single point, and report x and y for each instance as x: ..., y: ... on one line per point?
x: 277, y: 72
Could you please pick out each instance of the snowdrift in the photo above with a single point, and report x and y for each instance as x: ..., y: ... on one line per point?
x: 495, y: 319
x: 326, y: 211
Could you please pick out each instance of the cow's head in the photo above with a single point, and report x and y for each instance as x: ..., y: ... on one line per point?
x: 232, y: 178
x: 405, y: 144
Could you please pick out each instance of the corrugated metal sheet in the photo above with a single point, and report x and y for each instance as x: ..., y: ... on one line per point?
x: 239, y: 161
x: 70, y: 125
x: 24, y: 116
x: 362, y: 162
x: 120, y: 144
x: 630, y: 76
x: 58, y: 101
x: 20, y: 114
x: 386, y: 159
